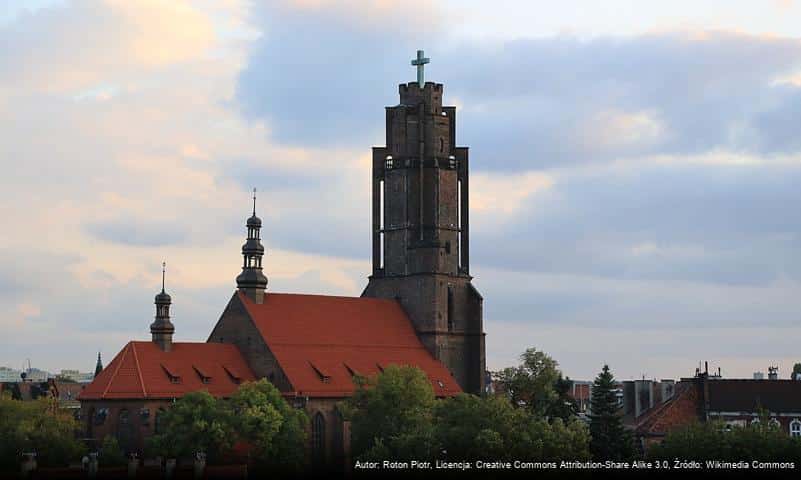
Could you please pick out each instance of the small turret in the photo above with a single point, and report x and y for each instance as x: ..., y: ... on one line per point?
x: 162, y: 328
x: 252, y: 281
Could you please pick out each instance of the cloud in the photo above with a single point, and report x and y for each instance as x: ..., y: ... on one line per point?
x: 686, y: 221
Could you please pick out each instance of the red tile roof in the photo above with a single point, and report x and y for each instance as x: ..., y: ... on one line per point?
x: 143, y: 370
x: 320, y: 340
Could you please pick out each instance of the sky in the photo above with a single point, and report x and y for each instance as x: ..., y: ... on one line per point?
x: 634, y: 167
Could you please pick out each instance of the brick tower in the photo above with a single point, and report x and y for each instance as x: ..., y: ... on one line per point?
x: 421, y: 232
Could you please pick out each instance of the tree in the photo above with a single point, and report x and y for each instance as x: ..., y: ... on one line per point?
x: 275, y: 430
x: 762, y: 441
x: 391, y: 415
x: 468, y: 427
x: 197, y: 422
x: 37, y: 426
x: 565, y: 406
x: 610, y: 440
x: 538, y: 385
x: 796, y: 371
x: 110, y: 452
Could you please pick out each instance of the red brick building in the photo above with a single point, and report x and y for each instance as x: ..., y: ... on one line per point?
x: 733, y: 401
x: 419, y: 307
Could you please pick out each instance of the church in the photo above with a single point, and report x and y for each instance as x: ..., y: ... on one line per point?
x: 419, y: 307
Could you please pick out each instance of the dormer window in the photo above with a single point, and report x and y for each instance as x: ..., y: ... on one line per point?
x: 205, y: 378
x: 232, y: 374
x: 171, y: 374
x: 322, y: 374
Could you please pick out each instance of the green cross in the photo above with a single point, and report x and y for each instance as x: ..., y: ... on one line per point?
x: 420, y: 63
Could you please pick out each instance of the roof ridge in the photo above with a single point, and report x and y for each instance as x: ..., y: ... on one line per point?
x: 114, y: 375
x: 138, y: 370
x: 350, y: 345
x: 329, y: 296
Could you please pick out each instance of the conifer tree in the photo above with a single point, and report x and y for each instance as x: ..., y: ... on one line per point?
x: 610, y: 440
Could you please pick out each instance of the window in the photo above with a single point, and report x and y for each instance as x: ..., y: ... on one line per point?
x: 755, y: 422
x: 774, y: 423
x: 318, y: 438
x: 795, y: 428
x: 159, y: 423
x: 124, y: 416
x: 450, y: 308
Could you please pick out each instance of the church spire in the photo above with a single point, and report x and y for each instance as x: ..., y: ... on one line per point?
x: 98, y: 365
x: 252, y: 281
x: 162, y: 328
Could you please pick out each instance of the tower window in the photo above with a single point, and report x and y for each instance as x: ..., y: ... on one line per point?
x: 450, y: 308
x: 441, y: 145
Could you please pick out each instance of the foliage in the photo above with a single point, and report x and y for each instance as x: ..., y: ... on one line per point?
x: 276, y: 430
x: 468, y: 427
x: 392, y: 412
x: 37, y: 426
x: 717, y: 441
x: 538, y: 385
x: 796, y: 370
x: 197, y: 422
x: 610, y: 440
x: 395, y: 415
x: 565, y: 406
x: 110, y: 452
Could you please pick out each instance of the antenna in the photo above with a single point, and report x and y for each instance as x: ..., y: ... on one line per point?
x: 254, y: 201
x: 163, y: 271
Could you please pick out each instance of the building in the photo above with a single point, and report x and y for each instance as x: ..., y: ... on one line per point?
x: 739, y: 402
x: 419, y: 307
x: 8, y: 375
x: 76, y: 376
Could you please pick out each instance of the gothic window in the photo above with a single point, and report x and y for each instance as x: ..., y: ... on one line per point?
x: 795, y: 428
x: 159, y: 422
x: 774, y: 423
x: 318, y: 438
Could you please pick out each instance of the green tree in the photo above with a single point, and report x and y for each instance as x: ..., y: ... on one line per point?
x: 276, y: 430
x: 565, y: 406
x: 468, y: 427
x: 796, y: 371
x: 37, y: 426
x: 197, y: 422
x: 391, y: 415
x: 762, y: 441
x: 110, y: 452
x: 533, y: 384
x: 610, y: 440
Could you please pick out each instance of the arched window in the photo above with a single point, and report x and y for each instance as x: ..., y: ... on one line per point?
x: 795, y: 428
x: 318, y: 438
x: 755, y: 422
x: 775, y: 423
x: 159, y: 422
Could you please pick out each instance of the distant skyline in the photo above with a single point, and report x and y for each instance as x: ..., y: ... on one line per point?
x: 648, y: 155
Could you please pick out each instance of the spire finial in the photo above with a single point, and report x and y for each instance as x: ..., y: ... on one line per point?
x: 163, y: 271
x: 254, y: 201
x: 420, y: 62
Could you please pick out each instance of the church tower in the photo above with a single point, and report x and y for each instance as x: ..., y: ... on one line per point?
x: 162, y: 328
x: 421, y: 234
x: 252, y: 281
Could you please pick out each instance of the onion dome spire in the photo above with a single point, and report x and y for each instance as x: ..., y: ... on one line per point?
x: 162, y: 328
x: 252, y: 281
